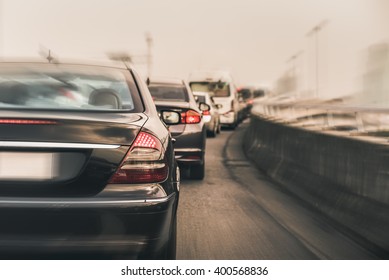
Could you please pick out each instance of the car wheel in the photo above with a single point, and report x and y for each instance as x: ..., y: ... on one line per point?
x: 234, y: 125
x: 213, y: 132
x: 197, y: 172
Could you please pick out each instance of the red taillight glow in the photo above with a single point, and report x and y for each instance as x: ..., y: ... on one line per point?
x: 141, y: 176
x: 23, y: 121
x: 206, y: 113
x: 190, y: 117
x: 143, y: 163
x: 145, y: 140
x: 192, y: 157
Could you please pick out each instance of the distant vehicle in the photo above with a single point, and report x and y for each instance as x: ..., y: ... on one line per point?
x: 211, y: 117
x: 242, y: 108
x: 221, y: 87
x: 87, y: 168
x: 259, y: 92
x: 190, y: 134
x: 246, y: 98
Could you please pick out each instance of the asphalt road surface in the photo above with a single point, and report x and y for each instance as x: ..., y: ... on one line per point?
x: 237, y: 212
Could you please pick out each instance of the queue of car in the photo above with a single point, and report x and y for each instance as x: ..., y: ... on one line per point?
x: 224, y: 92
x: 211, y: 117
x: 91, y: 157
x: 190, y: 134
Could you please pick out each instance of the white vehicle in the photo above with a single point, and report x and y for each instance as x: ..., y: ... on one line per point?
x: 211, y: 117
x: 221, y: 87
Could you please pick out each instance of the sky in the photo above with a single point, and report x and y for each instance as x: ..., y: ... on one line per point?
x: 254, y: 39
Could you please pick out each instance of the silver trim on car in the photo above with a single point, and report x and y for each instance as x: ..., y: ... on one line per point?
x: 189, y: 150
x: 79, y: 203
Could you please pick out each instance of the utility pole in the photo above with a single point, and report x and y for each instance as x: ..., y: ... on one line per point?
x: 315, y: 32
x: 149, y: 41
x: 293, y: 61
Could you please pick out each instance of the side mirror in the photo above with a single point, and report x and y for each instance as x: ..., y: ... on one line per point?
x: 204, y: 107
x: 219, y: 106
x: 170, y: 117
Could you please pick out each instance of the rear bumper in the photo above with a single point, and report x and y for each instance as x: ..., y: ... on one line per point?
x: 190, y: 146
x: 228, y: 118
x: 189, y: 156
x: 85, y: 228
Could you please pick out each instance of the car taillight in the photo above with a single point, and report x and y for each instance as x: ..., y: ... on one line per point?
x: 206, y: 113
x: 143, y: 163
x: 190, y: 117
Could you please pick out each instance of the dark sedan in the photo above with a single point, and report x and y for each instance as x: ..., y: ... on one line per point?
x: 190, y: 134
x: 87, y: 167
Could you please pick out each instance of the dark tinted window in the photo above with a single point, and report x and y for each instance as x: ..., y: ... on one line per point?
x: 246, y: 94
x: 259, y: 93
x: 201, y: 98
x: 169, y: 92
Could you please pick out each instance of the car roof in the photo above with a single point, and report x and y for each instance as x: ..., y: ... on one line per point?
x: 67, y: 62
x: 162, y: 80
x: 210, y: 76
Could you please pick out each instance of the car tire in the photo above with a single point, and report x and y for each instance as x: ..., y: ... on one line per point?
x: 197, y: 172
x: 234, y: 125
x: 213, y: 132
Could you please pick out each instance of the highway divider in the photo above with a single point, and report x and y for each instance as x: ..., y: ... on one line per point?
x: 345, y: 178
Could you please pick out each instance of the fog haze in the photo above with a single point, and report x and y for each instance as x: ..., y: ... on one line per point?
x: 254, y: 39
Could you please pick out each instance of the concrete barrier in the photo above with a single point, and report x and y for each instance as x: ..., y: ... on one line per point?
x: 345, y: 178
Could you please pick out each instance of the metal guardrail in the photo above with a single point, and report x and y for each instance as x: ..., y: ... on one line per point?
x: 369, y: 120
x: 345, y: 177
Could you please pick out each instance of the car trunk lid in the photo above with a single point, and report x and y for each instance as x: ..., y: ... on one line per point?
x: 67, y: 154
x: 225, y: 102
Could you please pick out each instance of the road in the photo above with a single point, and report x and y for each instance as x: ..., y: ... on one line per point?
x: 237, y: 212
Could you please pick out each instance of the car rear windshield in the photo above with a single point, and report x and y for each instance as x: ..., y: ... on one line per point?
x: 67, y: 87
x: 169, y: 92
x: 215, y: 89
